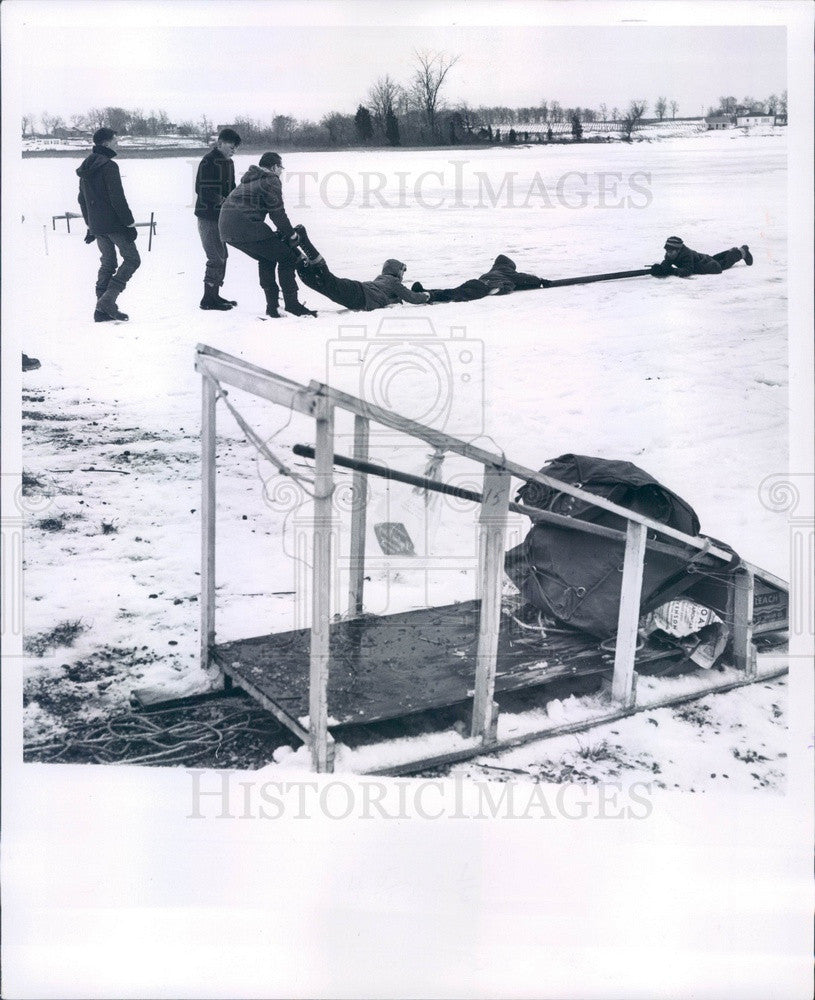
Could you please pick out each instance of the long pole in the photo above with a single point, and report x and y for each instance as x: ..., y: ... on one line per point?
x: 588, y: 278
x: 534, y: 513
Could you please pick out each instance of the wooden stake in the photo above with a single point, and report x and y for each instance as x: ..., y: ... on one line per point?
x: 152, y: 230
x: 208, y: 472
x: 493, y: 518
x: 321, y: 590
x: 622, y: 686
x: 359, y: 502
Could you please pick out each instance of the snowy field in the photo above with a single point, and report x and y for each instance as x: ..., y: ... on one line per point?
x: 686, y: 378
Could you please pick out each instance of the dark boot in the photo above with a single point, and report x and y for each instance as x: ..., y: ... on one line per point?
x: 229, y: 302
x: 272, y: 312
x: 106, y: 304
x: 211, y: 299
x: 748, y: 257
x: 312, y: 253
x: 30, y: 364
x: 298, y: 309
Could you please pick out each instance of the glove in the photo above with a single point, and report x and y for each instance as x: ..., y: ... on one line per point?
x: 132, y: 233
x: 661, y: 270
x: 545, y: 283
x: 89, y: 238
x: 293, y: 239
x: 684, y: 272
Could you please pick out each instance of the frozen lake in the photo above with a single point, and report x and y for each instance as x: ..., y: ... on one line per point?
x: 687, y: 379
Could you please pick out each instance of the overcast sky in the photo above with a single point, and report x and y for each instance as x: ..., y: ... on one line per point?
x: 268, y: 57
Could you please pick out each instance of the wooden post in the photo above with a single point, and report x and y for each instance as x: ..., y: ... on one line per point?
x: 744, y: 652
x: 493, y: 519
x: 68, y: 220
x: 208, y: 401
x: 622, y: 685
x: 359, y: 503
x: 321, y: 759
x: 150, y: 237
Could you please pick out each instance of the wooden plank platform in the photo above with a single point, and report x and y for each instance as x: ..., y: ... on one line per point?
x: 384, y: 667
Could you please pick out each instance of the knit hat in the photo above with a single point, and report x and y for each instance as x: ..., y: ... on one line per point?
x: 102, y: 135
x: 673, y: 243
x: 394, y: 267
x: 269, y: 160
x: 229, y: 135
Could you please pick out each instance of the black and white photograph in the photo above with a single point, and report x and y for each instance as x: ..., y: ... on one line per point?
x: 407, y: 499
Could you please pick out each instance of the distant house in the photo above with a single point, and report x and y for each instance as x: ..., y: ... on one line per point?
x: 719, y: 121
x: 780, y: 119
x: 749, y: 121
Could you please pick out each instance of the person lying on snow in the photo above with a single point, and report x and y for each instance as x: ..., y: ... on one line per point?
x: 683, y: 261
x: 501, y: 279
x: 384, y: 290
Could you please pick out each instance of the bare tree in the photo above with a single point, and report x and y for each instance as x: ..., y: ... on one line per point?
x: 615, y: 114
x: 28, y: 123
x: 383, y: 98
x: 772, y: 104
x: 282, y: 126
x: 118, y: 119
x: 636, y: 110
x: 96, y: 118
x: 79, y: 121
x: 674, y: 109
x: 782, y: 103
x: 49, y: 122
x: 430, y: 74
x: 661, y: 107
x: 603, y: 113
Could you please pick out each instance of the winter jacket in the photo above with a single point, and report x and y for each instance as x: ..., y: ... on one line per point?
x: 101, y: 198
x: 688, y: 262
x: 214, y: 182
x: 504, y: 276
x: 387, y: 288
x: 242, y: 215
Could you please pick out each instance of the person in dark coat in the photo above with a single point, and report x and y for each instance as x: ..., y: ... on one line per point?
x: 683, y: 261
x: 214, y: 182
x: 501, y: 279
x: 110, y: 222
x: 241, y: 224
x: 385, y: 290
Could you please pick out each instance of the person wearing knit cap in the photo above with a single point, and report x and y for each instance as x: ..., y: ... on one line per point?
x: 241, y: 224
x: 385, y: 290
x: 683, y: 261
x: 501, y: 279
x: 214, y: 182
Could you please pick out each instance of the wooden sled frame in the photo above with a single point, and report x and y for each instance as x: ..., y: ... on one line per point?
x: 320, y: 402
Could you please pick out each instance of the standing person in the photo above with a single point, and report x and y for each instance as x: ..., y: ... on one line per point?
x: 214, y: 182
x: 241, y: 224
x: 110, y: 222
x: 383, y: 291
x: 683, y: 261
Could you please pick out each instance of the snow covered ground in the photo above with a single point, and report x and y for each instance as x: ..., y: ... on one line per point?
x: 687, y: 379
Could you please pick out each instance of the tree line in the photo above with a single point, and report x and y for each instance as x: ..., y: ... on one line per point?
x: 412, y: 113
